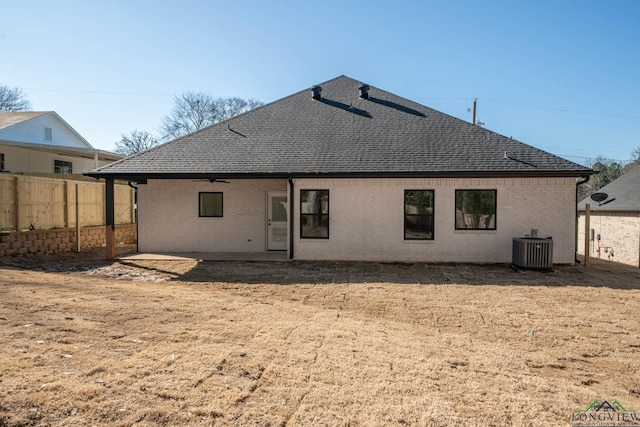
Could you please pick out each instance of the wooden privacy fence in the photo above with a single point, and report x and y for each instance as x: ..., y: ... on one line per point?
x: 35, y: 203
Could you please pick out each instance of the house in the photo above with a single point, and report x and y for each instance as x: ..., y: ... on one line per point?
x: 347, y: 171
x: 42, y: 142
x: 615, y: 220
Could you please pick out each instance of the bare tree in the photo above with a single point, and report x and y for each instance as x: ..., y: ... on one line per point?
x: 193, y: 111
x: 635, y: 161
x: 135, y: 142
x: 13, y: 99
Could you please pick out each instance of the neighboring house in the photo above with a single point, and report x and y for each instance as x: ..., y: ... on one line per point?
x: 615, y: 220
x: 41, y: 142
x: 351, y: 172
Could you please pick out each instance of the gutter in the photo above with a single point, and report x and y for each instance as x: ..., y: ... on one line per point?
x: 584, y: 180
x: 290, y: 218
x: 141, y: 176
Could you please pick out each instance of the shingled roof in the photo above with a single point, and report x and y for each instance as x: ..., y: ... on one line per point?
x: 623, y: 194
x: 341, y: 134
x: 12, y: 118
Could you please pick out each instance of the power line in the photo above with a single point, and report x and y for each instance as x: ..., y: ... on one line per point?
x: 564, y: 110
x: 97, y: 92
x: 105, y: 92
x: 593, y: 158
x: 539, y: 107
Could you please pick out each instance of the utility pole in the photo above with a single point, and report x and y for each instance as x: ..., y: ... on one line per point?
x: 475, y: 104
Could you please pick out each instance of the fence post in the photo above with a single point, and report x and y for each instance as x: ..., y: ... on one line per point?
x: 66, y: 204
x: 77, y: 218
x: 16, y: 203
x: 109, y: 201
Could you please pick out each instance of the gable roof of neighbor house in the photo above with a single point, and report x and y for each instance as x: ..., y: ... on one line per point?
x: 341, y: 134
x: 13, y: 119
x: 625, y: 190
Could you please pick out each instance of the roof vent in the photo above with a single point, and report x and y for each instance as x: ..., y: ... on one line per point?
x: 363, y: 91
x: 315, y: 92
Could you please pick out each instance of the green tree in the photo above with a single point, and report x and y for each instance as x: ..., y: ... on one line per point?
x: 607, y: 169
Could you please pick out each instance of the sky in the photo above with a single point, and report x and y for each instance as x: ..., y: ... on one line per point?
x: 560, y: 75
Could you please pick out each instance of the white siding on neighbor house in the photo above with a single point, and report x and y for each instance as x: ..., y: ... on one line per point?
x: 618, y: 230
x: 168, y: 218
x: 32, y: 160
x: 366, y: 220
x: 32, y: 131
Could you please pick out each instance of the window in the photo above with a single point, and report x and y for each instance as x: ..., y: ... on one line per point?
x: 1, y: 162
x: 48, y: 134
x: 62, y: 167
x: 475, y: 209
x: 418, y: 214
x: 210, y: 204
x: 314, y: 214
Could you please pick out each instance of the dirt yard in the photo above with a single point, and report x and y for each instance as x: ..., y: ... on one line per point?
x: 85, y: 342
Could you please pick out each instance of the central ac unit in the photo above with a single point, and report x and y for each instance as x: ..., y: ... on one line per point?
x: 532, y: 253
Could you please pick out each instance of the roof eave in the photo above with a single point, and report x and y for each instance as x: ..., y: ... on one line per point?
x: 137, y: 176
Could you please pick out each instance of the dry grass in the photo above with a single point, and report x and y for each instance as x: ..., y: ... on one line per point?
x: 336, y: 344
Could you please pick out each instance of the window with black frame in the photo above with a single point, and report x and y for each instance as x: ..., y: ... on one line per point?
x: 418, y: 214
x: 210, y: 204
x: 476, y: 209
x: 314, y: 214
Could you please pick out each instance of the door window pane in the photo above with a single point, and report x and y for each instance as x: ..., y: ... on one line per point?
x: 279, y: 209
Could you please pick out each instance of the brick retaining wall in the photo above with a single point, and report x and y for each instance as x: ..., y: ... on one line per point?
x: 61, y: 240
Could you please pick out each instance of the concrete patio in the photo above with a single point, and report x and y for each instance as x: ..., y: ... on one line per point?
x: 208, y: 256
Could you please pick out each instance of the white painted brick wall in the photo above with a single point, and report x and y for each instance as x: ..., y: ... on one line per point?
x: 169, y: 222
x: 367, y: 220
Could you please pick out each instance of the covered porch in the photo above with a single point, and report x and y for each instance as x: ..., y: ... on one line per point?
x: 209, y: 219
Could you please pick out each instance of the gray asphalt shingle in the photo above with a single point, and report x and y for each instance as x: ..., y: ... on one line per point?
x: 625, y: 190
x: 342, y: 134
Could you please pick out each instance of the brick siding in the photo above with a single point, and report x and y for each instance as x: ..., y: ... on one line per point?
x: 618, y: 230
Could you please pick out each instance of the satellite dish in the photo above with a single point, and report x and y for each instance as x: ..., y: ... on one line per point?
x: 599, y: 197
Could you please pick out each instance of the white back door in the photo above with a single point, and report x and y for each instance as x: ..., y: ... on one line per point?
x: 277, y: 222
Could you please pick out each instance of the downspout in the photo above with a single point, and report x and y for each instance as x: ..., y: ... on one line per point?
x: 134, y: 185
x: 290, y: 218
x: 585, y: 179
